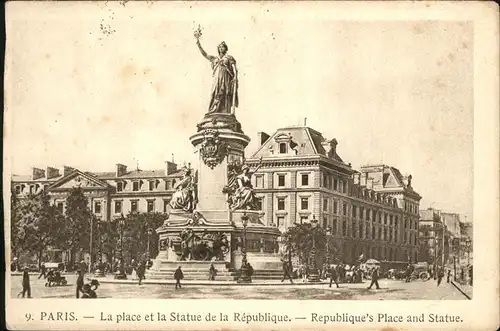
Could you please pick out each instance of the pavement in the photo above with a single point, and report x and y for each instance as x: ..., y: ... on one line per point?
x: 267, y: 290
x: 465, y: 289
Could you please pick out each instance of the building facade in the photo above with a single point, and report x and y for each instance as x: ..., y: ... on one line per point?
x: 373, y: 211
x: 110, y: 194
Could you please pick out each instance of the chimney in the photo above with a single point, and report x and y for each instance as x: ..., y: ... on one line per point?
x: 121, y: 169
x: 263, y: 137
x: 67, y: 170
x: 38, y: 173
x: 52, y: 172
x: 170, y: 168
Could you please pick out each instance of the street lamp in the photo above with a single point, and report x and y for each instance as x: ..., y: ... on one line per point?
x: 150, y: 232
x: 99, y: 272
x: 121, y: 273
x: 313, y: 275
x: 328, y: 233
x: 244, y: 276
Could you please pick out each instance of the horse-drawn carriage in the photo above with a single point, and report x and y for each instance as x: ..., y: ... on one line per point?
x: 54, y: 278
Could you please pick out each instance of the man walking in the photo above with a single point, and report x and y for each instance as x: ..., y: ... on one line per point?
x: 448, y: 276
x: 440, y: 276
x: 43, y: 271
x: 333, y: 276
x: 375, y: 275
x: 141, y: 271
x: 178, y: 275
x: 26, y: 282
x: 79, y: 283
x: 286, y: 272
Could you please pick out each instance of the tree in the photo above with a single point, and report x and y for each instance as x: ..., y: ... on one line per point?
x: 303, y: 237
x: 78, y: 218
x: 38, y: 225
x: 15, y: 218
x: 135, y: 237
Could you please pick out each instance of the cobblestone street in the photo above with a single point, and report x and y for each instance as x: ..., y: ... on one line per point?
x: 390, y: 290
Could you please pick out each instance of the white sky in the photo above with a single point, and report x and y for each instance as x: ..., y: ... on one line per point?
x: 90, y: 96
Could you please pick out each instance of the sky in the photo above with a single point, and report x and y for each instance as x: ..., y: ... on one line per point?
x: 124, y: 83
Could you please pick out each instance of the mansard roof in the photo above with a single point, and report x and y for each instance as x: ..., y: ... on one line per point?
x: 302, y: 141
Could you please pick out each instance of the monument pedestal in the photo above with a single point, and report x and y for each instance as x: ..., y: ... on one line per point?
x: 213, y: 234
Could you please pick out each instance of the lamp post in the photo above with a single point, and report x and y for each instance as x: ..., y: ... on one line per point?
x: 313, y: 276
x: 150, y: 232
x: 121, y: 273
x: 244, y: 276
x: 328, y: 233
x: 99, y: 272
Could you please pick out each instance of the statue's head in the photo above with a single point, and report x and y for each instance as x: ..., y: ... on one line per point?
x: 245, y: 169
x: 222, y: 48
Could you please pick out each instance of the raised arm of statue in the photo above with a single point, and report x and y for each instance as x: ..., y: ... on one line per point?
x: 202, y: 51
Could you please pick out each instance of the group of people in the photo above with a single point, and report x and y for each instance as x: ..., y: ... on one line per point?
x: 139, y: 270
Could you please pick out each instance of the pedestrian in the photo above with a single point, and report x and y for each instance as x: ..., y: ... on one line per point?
x: 178, y: 275
x: 88, y: 292
x: 79, y: 284
x: 249, y: 270
x: 43, y: 270
x: 133, y: 264
x: 333, y: 276
x: 26, y: 282
x: 141, y: 271
x: 375, y: 275
x: 83, y: 266
x: 448, y: 276
x: 440, y: 276
x: 462, y: 274
x: 470, y: 275
x: 286, y: 272
x: 212, y: 272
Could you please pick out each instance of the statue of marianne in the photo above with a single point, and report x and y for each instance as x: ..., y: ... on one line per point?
x: 224, y: 94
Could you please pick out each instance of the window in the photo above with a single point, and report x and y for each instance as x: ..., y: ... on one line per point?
x: 259, y: 181
x: 165, y: 205
x: 361, y: 212
x: 282, y: 148
x: 134, y: 206
x: 280, y: 221
x: 45, y: 187
x: 60, y: 206
x: 258, y: 203
x: 325, y: 180
x: 367, y: 215
x: 344, y: 229
x: 361, y: 230
x: 118, y: 207
x: 119, y: 186
x: 304, y: 203
x: 305, y: 179
x: 334, y: 226
x: 97, y: 207
x: 325, y: 204
x: 335, y: 207
x: 325, y: 222
x: 354, y: 211
x: 167, y: 185
x: 281, y: 203
x: 151, y: 206
x: 335, y: 184
x: 151, y: 185
x: 135, y: 186
x: 32, y: 189
x: 391, y: 219
x: 281, y: 180
x: 18, y: 189
x: 303, y: 219
x: 344, y: 209
x: 385, y: 218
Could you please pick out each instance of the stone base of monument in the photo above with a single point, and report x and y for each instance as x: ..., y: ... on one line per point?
x: 262, y: 246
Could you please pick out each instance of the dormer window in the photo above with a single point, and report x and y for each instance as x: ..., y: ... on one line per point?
x: 135, y: 186
x: 119, y: 186
x: 18, y: 189
x: 283, y: 149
